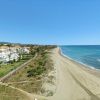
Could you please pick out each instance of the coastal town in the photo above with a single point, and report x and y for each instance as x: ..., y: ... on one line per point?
x: 12, y: 53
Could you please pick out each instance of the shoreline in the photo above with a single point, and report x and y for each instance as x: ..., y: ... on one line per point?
x: 85, y: 65
x: 74, y: 81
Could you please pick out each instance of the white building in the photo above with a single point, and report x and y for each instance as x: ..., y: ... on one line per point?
x: 26, y: 50
x: 8, y: 54
x: 12, y: 53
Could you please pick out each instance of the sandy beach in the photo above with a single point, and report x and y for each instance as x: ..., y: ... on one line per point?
x: 74, y: 81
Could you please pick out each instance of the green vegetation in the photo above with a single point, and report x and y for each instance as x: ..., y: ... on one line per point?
x: 31, y: 78
x: 40, y: 64
x: 37, y: 71
x: 6, y: 68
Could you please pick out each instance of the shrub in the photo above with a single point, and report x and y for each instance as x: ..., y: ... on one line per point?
x: 37, y: 71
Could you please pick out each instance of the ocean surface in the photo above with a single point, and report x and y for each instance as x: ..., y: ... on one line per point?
x: 87, y: 54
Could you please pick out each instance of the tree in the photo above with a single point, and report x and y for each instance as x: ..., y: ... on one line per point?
x: 32, y: 50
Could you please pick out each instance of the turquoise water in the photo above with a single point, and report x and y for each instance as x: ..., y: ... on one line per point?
x: 87, y: 54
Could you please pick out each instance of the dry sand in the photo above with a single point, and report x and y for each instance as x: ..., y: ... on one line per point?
x: 73, y: 81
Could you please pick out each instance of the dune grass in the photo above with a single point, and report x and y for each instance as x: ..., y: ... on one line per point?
x: 7, y: 93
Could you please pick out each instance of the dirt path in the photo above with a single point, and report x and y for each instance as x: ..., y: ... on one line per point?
x: 29, y: 96
x: 16, y: 70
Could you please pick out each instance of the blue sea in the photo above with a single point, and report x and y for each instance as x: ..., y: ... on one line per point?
x: 86, y: 54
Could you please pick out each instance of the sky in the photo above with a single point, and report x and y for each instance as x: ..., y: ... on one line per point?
x: 61, y: 22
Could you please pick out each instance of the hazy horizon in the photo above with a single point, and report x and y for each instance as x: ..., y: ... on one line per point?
x: 4, y: 42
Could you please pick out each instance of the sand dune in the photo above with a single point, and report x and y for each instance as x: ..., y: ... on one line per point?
x: 73, y: 82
